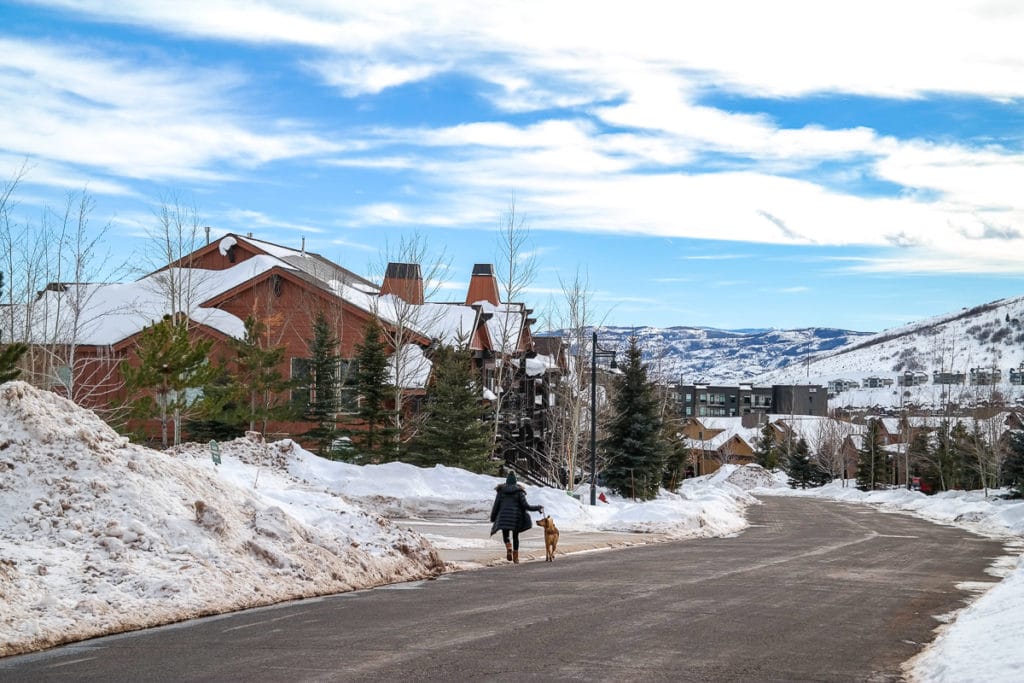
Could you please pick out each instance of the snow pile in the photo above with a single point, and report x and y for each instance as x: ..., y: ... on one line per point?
x: 983, y: 643
x: 746, y: 477
x: 99, y: 536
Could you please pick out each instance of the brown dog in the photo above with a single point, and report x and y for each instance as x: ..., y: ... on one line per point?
x: 550, y: 537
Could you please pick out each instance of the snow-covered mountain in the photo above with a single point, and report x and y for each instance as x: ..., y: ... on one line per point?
x: 986, y: 339
x: 703, y: 354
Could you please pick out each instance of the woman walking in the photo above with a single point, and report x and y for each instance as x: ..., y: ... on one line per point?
x: 509, y: 513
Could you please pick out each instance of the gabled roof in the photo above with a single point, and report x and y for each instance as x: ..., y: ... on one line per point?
x: 311, y: 263
x: 109, y: 313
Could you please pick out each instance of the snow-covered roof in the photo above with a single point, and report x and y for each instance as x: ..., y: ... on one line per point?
x: 110, y: 313
x: 505, y: 326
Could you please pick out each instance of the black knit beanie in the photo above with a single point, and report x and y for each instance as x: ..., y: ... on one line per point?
x: 510, y: 480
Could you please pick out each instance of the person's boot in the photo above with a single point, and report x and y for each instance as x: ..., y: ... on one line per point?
x: 515, y: 556
x: 508, y: 552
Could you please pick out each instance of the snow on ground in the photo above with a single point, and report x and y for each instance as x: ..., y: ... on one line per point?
x: 100, y: 536
x: 985, y: 643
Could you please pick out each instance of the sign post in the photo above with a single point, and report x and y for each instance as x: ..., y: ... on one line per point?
x: 215, y: 452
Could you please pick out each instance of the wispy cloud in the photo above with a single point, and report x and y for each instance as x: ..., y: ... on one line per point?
x: 77, y: 107
x: 621, y: 129
x: 247, y: 218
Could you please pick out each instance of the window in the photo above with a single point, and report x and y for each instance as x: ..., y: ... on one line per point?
x: 301, y: 375
x: 346, y: 394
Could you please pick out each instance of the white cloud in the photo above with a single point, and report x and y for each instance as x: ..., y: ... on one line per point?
x: 775, y: 49
x: 640, y: 74
x: 76, y: 107
x: 355, y: 78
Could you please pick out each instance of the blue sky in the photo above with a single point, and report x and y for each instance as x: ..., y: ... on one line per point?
x: 750, y: 164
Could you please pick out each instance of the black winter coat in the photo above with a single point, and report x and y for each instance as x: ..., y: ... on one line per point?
x: 510, y: 509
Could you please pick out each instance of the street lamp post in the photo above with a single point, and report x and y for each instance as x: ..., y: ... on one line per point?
x: 595, y: 354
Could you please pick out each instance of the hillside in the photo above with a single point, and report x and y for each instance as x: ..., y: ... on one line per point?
x: 986, y: 338
x: 695, y: 354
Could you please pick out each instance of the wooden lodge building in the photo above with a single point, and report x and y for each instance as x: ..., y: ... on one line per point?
x: 79, y: 334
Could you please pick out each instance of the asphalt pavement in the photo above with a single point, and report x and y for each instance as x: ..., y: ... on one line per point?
x: 812, y: 591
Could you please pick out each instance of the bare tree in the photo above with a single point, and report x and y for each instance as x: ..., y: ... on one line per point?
x: 12, y: 238
x: 826, y: 445
x: 88, y: 379
x: 569, y: 435
x: 59, y: 270
x: 516, y: 270
x: 406, y: 320
x: 726, y: 454
x: 176, y: 235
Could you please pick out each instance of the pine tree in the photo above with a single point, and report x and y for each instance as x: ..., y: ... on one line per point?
x: 635, y: 450
x: 258, y: 382
x: 803, y: 471
x: 170, y: 366
x: 961, y: 452
x: 919, y: 455
x: 453, y: 431
x: 10, y: 354
x: 1013, y: 466
x: 219, y: 413
x: 766, y: 448
x: 323, y: 383
x: 873, y: 460
x: 372, y: 434
x: 676, y: 461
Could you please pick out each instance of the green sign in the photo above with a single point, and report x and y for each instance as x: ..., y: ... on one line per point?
x: 215, y: 452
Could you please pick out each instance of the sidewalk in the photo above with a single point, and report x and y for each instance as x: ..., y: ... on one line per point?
x: 466, y: 544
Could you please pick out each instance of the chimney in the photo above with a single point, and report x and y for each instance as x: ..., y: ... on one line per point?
x: 483, y: 286
x: 303, y: 245
x: 404, y: 281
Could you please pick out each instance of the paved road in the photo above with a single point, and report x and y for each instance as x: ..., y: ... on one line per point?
x: 814, y: 591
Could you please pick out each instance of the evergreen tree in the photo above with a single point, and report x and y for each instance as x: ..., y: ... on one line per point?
x: 322, y: 406
x: 767, y: 449
x: 453, y: 431
x: 962, y: 447
x: 635, y: 450
x: 170, y: 367
x: 219, y: 413
x: 258, y: 381
x: 803, y: 471
x: 919, y: 455
x: 372, y: 434
x: 872, y: 460
x: 676, y: 461
x: 1013, y: 466
x: 949, y: 463
x: 10, y: 354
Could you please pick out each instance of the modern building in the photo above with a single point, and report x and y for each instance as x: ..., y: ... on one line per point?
x: 705, y: 400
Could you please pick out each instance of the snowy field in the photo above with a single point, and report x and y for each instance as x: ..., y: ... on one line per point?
x: 100, y: 536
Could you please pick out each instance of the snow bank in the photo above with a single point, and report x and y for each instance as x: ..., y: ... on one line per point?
x: 99, y: 536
